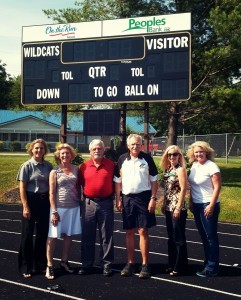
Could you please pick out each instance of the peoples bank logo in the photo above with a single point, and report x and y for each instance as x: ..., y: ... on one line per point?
x: 65, y: 30
x: 149, y: 25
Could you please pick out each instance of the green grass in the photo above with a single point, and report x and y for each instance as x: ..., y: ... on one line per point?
x: 230, y: 193
x: 9, y: 166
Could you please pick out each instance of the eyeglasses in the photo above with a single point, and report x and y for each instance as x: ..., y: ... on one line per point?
x: 173, y: 154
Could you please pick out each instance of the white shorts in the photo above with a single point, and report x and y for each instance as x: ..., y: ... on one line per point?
x: 69, y: 222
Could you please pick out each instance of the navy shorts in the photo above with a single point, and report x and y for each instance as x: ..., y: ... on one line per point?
x: 135, y: 211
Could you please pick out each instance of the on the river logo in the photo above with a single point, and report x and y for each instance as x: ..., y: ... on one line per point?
x: 61, y: 30
x: 150, y: 25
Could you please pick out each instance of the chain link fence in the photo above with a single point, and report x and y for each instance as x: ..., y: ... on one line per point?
x: 225, y: 145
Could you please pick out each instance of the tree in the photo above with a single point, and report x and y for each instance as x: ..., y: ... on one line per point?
x: 15, y: 93
x: 216, y: 51
x: 5, y: 87
x: 216, y: 41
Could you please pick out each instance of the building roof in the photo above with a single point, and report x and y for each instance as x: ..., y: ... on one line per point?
x: 74, y: 123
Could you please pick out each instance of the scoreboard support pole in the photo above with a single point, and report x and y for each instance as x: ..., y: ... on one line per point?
x: 123, y: 124
x: 123, y: 133
x: 146, y: 127
x: 63, y: 130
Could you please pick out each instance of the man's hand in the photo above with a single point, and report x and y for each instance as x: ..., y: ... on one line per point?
x: 152, y: 206
x: 119, y: 205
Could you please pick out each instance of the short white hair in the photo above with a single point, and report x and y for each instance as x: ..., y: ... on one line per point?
x: 135, y: 136
x: 96, y: 141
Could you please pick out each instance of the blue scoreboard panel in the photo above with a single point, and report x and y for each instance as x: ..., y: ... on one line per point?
x: 137, y: 68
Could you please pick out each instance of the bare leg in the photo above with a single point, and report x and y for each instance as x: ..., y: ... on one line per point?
x: 144, y: 244
x: 50, y: 245
x: 51, y: 242
x: 65, y: 254
x: 66, y: 247
x: 130, y: 244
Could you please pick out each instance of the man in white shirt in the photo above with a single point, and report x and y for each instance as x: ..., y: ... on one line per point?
x: 136, y: 178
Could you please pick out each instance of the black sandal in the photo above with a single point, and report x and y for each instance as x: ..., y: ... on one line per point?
x: 169, y: 270
x: 49, y: 272
x: 66, y: 266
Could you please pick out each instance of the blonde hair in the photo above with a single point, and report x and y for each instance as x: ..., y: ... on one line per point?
x: 135, y: 136
x: 64, y: 146
x: 165, y: 163
x: 41, y: 141
x: 210, y: 153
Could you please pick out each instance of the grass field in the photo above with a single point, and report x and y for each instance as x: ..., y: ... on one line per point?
x: 230, y: 193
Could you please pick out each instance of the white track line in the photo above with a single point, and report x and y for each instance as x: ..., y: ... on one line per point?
x: 123, y: 248
x: 157, y: 216
x: 151, y: 236
x: 136, y: 274
x: 188, y: 229
x: 40, y: 289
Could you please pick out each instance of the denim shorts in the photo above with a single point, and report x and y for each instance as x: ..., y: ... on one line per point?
x: 135, y: 211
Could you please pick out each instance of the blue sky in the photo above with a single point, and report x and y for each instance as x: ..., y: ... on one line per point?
x: 14, y: 15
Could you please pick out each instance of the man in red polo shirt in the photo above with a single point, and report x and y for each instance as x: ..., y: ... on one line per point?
x: 96, y: 179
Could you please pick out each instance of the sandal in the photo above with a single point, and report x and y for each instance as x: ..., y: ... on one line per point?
x: 49, y: 272
x: 27, y: 275
x: 66, y: 266
x: 169, y: 270
x: 174, y: 273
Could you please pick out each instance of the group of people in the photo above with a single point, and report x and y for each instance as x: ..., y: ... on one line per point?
x: 68, y: 200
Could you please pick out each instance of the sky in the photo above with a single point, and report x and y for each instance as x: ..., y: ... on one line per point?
x: 14, y: 15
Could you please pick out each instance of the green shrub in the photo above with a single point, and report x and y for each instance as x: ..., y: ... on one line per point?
x: 78, y: 160
x: 27, y: 146
x: 14, y: 146
x: 111, y: 154
x: 56, y: 145
x: 1, y: 146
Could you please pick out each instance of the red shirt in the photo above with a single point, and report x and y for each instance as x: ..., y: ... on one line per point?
x: 97, y: 182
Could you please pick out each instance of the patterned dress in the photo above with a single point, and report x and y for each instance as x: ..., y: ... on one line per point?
x: 177, y: 246
x: 172, y: 189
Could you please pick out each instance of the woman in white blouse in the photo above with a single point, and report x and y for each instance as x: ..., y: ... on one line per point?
x: 205, y: 184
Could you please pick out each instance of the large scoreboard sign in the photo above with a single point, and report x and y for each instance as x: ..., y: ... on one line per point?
x: 116, y: 61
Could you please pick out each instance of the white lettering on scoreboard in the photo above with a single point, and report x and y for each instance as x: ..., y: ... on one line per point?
x: 41, y: 51
x: 141, y: 65
x: 48, y: 94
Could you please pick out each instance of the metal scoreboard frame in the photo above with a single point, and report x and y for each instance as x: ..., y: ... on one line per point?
x: 146, y: 59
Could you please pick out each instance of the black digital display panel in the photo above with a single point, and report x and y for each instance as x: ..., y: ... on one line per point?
x: 142, y: 68
x: 101, y: 122
x: 103, y: 50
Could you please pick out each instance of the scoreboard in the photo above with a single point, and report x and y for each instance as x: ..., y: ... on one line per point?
x: 147, y: 65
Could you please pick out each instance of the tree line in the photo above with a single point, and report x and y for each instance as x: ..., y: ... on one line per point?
x: 215, y: 103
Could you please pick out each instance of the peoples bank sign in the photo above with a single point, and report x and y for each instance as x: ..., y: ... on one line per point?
x: 107, y: 28
x: 153, y: 24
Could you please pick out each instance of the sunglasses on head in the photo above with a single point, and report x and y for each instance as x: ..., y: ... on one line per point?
x: 173, y: 154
